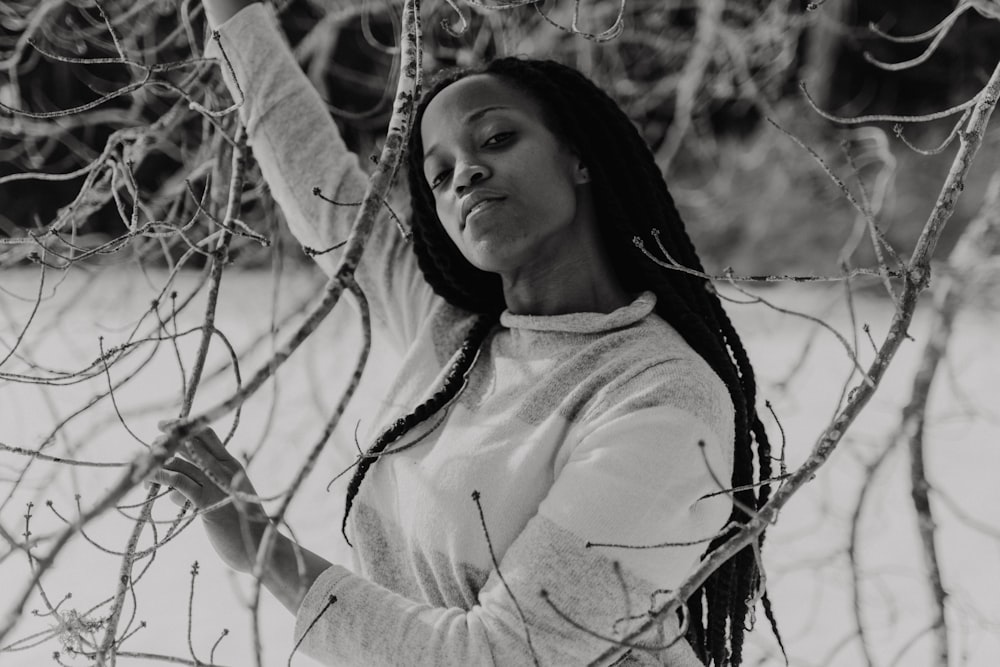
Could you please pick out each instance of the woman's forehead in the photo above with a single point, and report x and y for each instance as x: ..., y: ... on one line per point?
x: 464, y: 101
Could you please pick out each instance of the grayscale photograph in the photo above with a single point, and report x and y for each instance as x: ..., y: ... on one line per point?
x: 459, y: 333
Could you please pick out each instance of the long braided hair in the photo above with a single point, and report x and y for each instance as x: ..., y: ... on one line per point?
x: 632, y: 202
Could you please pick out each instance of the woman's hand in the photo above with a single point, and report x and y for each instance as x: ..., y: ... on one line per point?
x: 208, y: 476
x: 235, y: 523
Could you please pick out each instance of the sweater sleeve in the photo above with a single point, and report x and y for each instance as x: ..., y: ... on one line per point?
x: 636, y: 480
x: 298, y: 148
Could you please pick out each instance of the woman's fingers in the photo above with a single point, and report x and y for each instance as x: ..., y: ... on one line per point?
x: 187, y: 481
x: 207, y: 453
x: 202, y: 470
x: 205, y: 439
x: 205, y: 449
x: 208, y: 439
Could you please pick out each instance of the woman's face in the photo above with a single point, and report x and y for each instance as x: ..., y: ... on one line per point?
x: 505, y: 187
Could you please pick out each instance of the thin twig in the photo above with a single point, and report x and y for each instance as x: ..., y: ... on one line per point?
x: 503, y: 580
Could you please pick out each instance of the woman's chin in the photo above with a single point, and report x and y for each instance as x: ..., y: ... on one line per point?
x: 493, y: 255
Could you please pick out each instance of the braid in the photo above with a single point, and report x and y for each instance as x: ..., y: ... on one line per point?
x: 719, y: 592
x: 454, y: 381
x: 696, y: 624
x: 632, y: 201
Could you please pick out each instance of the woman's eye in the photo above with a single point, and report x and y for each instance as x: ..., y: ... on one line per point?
x: 498, y: 138
x: 439, y: 179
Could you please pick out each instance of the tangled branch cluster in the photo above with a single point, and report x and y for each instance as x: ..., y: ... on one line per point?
x: 119, y: 144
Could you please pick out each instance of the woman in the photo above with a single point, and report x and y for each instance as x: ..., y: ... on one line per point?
x: 561, y: 398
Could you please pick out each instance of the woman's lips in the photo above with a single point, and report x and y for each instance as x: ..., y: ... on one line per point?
x: 484, y: 205
x: 477, y: 198
x: 481, y: 205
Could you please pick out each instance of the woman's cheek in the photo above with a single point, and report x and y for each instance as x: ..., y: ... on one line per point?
x: 444, y: 214
x: 450, y: 221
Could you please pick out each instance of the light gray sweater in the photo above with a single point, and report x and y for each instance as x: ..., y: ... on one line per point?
x: 576, y: 431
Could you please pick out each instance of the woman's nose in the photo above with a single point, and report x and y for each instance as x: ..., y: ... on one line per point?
x: 468, y: 175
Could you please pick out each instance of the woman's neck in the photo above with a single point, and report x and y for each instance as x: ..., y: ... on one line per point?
x: 580, y: 285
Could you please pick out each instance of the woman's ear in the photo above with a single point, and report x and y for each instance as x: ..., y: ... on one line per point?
x: 582, y: 174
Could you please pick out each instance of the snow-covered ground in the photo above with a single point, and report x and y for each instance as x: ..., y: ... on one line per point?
x: 806, y: 555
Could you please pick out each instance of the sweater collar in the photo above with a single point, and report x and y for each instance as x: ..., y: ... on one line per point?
x: 583, y: 322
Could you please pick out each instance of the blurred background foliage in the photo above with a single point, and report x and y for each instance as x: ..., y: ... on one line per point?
x: 700, y: 78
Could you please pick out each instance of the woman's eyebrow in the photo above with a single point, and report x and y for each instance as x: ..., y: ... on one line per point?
x: 479, y: 113
x: 469, y: 119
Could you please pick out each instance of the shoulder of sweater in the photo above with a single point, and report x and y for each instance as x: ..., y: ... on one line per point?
x: 655, y: 367
x: 652, y: 351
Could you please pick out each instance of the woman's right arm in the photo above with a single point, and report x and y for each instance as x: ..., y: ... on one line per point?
x: 299, y: 149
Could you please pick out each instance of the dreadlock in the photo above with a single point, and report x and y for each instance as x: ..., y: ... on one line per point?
x: 632, y: 202
x: 453, y: 382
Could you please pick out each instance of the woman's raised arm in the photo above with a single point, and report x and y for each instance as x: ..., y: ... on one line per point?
x: 301, y: 153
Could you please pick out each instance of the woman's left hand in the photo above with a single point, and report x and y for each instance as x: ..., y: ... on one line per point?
x: 235, y: 525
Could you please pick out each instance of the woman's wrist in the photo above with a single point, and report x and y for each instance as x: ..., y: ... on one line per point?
x: 291, y: 571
